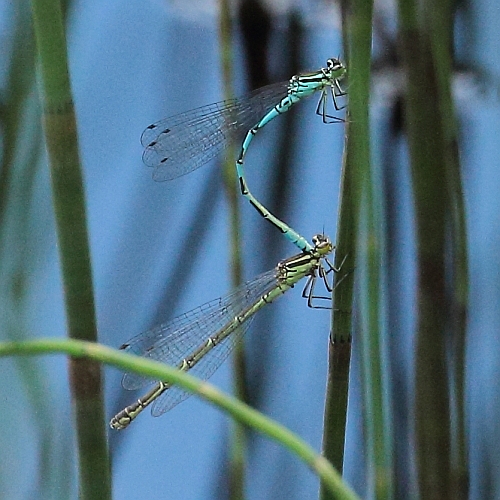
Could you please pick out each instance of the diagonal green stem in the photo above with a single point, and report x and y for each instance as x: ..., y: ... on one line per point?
x: 159, y: 371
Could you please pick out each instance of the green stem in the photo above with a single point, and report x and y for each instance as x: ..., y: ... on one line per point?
x: 427, y: 144
x: 230, y: 178
x: 159, y: 371
x: 69, y: 207
x: 238, y: 444
x: 356, y: 171
x: 377, y: 431
x: 441, y: 41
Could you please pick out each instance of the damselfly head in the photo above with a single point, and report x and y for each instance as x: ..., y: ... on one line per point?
x: 322, y: 244
x: 335, y: 68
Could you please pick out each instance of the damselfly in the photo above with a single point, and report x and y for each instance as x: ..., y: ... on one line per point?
x: 200, y: 340
x: 180, y: 144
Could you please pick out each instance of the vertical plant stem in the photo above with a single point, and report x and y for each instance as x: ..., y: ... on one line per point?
x: 376, y: 419
x: 441, y: 42
x: 238, y: 444
x: 339, y: 346
x: 20, y: 82
x: 69, y: 206
x: 427, y: 143
x: 378, y: 443
x: 356, y: 189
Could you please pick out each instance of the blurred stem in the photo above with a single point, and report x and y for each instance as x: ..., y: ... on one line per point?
x: 20, y: 82
x: 378, y: 442
x: 442, y: 45
x: 159, y: 371
x: 368, y: 257
x: 238, y: 445
x: 20, y: 121
x: 69, y: 206
x: 427, y: 137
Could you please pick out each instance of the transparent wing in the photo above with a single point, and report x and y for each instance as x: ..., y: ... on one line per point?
x: 180, y: 144
x: 204, y: 369
x: 175, y: 340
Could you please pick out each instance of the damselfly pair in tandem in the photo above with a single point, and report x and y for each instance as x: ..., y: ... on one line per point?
x: 200, y: 340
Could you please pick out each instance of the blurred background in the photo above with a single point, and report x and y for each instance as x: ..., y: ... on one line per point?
x: 160, y: 249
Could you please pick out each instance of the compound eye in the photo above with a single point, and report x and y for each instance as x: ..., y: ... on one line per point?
x: 333, y: 64
x: 318, y: 239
